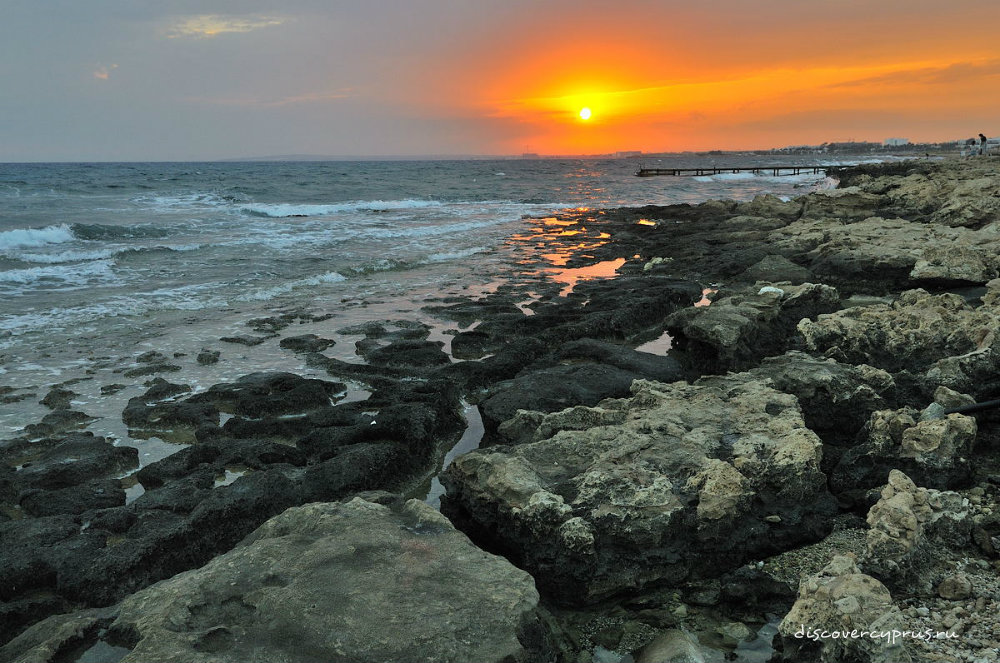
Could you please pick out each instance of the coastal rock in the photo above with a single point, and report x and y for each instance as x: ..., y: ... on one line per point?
x: 554, y: 389
x: 739, y: 329
x: 840, y: 598
x: 683, y: 488
x: 836, y: 399
x: 208, y: 357
x: 399, y: 583
x: 260, y: 394
x: 935, y: 452
x: 409, y: 354
x: 914, y: 332
x: 777, y: 268
x: 906, y: 526
x: 58, y: 398
x: 306, y: 343
x: 201, y: 501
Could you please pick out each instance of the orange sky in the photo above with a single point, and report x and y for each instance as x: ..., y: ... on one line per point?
x: 208, y: 79
x: 731, y: 75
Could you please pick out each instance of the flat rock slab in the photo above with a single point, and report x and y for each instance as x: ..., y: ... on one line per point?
x: 355, y: 581
x: 681, y: 481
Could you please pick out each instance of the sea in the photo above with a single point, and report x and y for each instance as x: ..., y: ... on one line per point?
x: 102, y: 262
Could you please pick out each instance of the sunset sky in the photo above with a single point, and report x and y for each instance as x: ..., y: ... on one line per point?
x: 208, y: 79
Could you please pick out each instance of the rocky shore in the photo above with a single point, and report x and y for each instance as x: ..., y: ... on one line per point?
x: 816, y: 454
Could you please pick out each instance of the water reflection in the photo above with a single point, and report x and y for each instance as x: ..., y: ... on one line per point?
x: 553, y: 242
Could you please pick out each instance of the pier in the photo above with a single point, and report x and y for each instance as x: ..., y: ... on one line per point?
x: 720, y: 170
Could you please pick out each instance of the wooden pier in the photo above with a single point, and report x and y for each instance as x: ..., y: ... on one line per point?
x: 721, y: 170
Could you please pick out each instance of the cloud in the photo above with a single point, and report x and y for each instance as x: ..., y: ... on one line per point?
x: 210, y: 25
x: 275, y: 102
x: 103, y: 73
x: 952, y: 73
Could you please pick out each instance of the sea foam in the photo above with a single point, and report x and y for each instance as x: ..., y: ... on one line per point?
x: 22, y: 238
x: 288, y: 210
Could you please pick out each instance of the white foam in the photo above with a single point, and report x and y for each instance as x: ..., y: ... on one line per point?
x: 33, y: 237
x: 271, y: 293
x: 456, y: 255
x: 75, y: 275
x: 64, y: 256
x: 286, y: 210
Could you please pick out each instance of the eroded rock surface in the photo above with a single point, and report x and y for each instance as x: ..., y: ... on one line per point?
x: 355, y: 581
x: 692, y: 482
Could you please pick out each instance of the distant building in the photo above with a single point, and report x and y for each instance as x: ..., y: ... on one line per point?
x: 628, y: 153
x: 896, y: 142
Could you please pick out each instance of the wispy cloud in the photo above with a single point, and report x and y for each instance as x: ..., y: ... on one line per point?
x: 104, y: 72
x: 945, y: 74
x: 210, y: 25
x: 274, y: 102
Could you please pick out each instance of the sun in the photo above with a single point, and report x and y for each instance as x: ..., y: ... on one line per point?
x: 585, y: 113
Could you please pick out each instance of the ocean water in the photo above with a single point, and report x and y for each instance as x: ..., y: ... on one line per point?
x: 101, y: 262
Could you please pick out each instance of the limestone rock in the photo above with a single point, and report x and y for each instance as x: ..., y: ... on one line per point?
x: 841, y: 598
x: 956, y: 587
x: 355, y: 581
x: 836, y: 399
x: 681, y: 487
x: 739, y: 329
x: 906, y: 523
x: 935, y: 452
x: 913, y: 333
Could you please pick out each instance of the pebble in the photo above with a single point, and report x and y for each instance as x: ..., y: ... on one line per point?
x: 955, y: 587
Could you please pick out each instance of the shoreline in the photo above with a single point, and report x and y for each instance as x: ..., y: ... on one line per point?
x: 808, y: 335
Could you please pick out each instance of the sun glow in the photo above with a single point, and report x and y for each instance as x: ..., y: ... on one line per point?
x: 585, y: 113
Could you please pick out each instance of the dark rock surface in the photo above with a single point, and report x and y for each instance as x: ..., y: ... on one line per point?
x: 403, y: 567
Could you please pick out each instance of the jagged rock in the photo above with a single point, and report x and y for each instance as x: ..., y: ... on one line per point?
x: 306, y: 343
x: 836, y: 398
x: 58, y: 398
x: 260, y: 394
x: 554, y: 389
x: 935, y: 452
x: 738, y: 330
x: 840, y: 598
x: 777, y: 268
x: 208, y: 357
x: 913, y: 333
x: 682, y: 488
x: 905, y: 526
x: 398, y: 583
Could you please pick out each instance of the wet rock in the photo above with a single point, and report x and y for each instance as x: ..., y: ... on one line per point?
x: 841, y: 598
x: 65, y: 461
x: 158, y: 410
x: 260, y: 394
x: 906, y: 525
x: 738, y: 330
x: 409, y: 353
x: 58, y: 398
x: 472, y: 345
x: 246, y: 340
x: 418, y: 591
x: 306, y: 343
x: 642, y: 364
x: 680, y: 489
x: 151, y: 357
x: 935, y: 452
x: 76, y: 499
x: 208, y: 357
x: 554, y: 389
x: 58, y: 422
x: 108, y: 389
